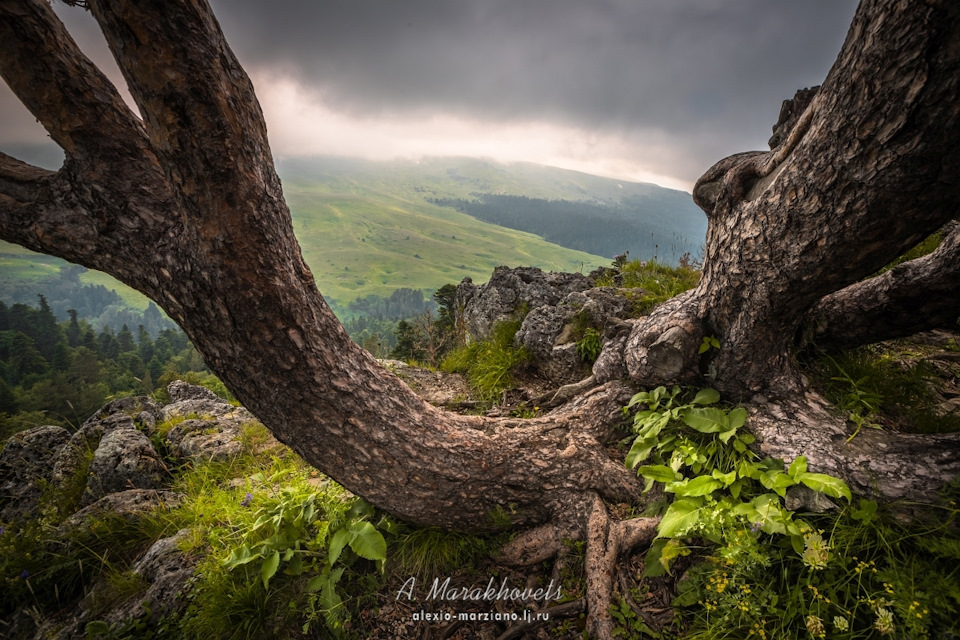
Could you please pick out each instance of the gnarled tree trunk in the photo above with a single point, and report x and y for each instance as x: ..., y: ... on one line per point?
x: 184, y: 204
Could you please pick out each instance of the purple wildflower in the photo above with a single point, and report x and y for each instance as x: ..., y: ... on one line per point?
x: 756, y: 526
x: 24, y: 574
x: 247, y: 499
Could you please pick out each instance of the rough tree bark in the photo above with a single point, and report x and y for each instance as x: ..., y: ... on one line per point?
x: 183, y: 203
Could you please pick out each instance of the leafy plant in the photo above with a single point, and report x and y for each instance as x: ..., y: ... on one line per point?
x: 708, y: 342
x: 860, y: 573
x: 590, y: 345
x: 717, y: 481
x: 287, y: 533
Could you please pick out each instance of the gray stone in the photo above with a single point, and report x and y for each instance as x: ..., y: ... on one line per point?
x: 124, y: 459
x: 129, y: 504
x: 510, y: 292
x: 26, y: 463
x: 166, y: 572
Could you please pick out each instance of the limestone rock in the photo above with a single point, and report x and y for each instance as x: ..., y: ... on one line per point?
x: 25, y: 461
x: 129, y: 504
x: 125, y: 459
x: 510, y: 291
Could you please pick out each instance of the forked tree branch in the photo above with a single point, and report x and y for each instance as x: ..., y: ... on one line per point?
x: 918, y: 295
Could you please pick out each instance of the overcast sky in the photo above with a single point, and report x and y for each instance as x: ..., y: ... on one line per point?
x: 650, y: 90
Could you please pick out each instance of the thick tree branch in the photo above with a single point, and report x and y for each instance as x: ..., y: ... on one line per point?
x: 73, y: 100
x: 915, y: 296
x: 199, y: 107
x: 880, y: 464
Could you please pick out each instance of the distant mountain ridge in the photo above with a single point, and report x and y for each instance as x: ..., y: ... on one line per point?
x: 370, y: 228
x: 598, y: 215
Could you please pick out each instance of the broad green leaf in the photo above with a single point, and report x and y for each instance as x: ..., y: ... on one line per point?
x: 737, y: 418
x: 706, y: 419
x: 735, y: 488
x: 680, y: 517
x: 798, y: 467
x: 672, y: 550
x: 652, y: 568
x: 367, y: 542
x: 767, y: 506
x: 828, y: 485
x: 294, y: 567
x: 748, y: 470
x: 797, y: 542
x: 329, y: 598
x: 339, y: 540
x: 639, y: 452
x: 777, y: 481
x: 317, y: 582
x: 700, y: 486
x: 642, y: 397
x: 707, y: 396
x: 658, y: 472
x: 726, y: 478
x: 269, y: 567
x: 360, y: 509
x: 240, y: 556
x: 726, y: 435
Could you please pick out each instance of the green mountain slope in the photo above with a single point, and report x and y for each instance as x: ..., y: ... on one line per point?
x: 575, y: 210
x: 370, y: 227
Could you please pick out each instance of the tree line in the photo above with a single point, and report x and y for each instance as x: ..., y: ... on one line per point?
x: 101, y: 306
x: 645, y: 227
x: 60, y: 373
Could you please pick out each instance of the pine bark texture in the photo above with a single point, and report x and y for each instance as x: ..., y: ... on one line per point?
x: 183, y: 203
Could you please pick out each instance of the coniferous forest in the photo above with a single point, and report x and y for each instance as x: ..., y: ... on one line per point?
x: 61, y: 372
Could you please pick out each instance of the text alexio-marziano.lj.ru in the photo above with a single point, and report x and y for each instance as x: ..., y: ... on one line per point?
x: 443, y: 591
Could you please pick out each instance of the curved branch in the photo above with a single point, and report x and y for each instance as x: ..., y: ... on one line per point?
x: 915, y: 296
x: 198, y: 105
x: 73, y: 100
x: 881, y: 464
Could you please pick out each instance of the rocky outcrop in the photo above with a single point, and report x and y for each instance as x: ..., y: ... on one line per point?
x: 111, y: 468
x: 213, y: 427
x: 556, y: 308
x: 26, y: 465
x: 125, y: 459
x: 510, y: 293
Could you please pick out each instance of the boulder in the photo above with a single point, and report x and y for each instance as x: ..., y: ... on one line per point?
x: 511, y: 292
x: 213, y: 427
x: 26, y: 465
x: 125, y: 459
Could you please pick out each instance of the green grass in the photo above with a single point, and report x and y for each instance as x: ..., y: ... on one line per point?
x: 490, y: 364
x: 368, y: 228
x: 885, y: 385
x: 360, y: 242
x: 655, y: 282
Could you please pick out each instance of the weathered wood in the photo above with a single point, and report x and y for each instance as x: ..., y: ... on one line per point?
x: 915, y: 296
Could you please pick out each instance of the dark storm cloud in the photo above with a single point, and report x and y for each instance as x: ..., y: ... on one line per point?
x: 665, y: 64
x: 686, y: 81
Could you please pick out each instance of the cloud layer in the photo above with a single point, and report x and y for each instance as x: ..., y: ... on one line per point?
x: 627, y: 87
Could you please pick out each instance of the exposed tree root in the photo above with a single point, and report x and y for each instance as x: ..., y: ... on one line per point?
x: 882, y: 464
x: 606, y: 540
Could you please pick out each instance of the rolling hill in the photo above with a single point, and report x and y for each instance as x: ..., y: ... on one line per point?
x: 372, y: 227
